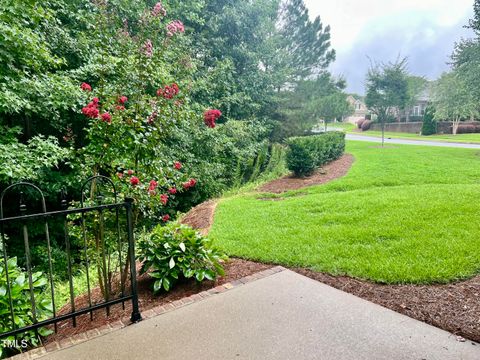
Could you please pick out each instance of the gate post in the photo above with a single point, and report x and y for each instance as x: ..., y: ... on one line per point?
x: 136, y: 317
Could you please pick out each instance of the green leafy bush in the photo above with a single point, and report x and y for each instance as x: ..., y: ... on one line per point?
x: 429, y: 126
x: 170, y: 253
x: 305, y: 154
x: 22, y: 306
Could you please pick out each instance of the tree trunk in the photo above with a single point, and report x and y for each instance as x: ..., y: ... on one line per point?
x: 455, y: 124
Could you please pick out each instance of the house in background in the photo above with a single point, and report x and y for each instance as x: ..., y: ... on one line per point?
x: 360, y: 109
x: 416, y: 112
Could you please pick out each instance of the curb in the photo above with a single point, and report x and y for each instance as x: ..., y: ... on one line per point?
x: 147, y: 314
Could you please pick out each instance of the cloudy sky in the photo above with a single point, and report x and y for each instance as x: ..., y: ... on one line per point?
x: 422, y: 30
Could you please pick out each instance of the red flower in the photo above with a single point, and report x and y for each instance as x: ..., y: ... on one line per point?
x: 210, y: 116
x: 166, y: 218
x: 91, y: 110
x: 189, y: 184
x: 172, y: 191
x: 120, y: 175
x: 85, y: 87
x: 122, y: 100
x: 168, y: 92
x: 153, y: 185
x: 95, y: 100
x: 177, y: 165
x: 106, y: 117
x: 164, y: 199
x: 130, y: 172
x: 120, y: 107
x: 134, y: 180
x: 175, y: 88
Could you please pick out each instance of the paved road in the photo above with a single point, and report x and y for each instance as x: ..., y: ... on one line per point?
x: 282, y: 316
x: 412, y: 142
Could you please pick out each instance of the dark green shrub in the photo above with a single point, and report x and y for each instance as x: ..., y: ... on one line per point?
x: 429, y: 126
x: 175, y: 252
x: 22, y: 307
x: 305, y: 154
x: 360, y: 123
x: 366, y: 125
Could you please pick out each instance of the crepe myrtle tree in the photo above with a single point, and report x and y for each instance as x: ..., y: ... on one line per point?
x: 452, y: 99
x: 387, y: 90
x: 124, y: 125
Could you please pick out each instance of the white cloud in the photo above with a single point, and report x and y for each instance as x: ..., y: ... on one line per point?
x: 349, y: 18
x: 422, y: 30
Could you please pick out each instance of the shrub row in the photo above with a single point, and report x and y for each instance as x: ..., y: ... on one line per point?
x: 469, y: 128
x: 305, y: 154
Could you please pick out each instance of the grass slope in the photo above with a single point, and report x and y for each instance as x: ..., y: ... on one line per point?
x: 401, y: 215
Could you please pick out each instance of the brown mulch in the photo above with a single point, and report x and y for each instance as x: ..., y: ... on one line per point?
x: 329, y: 172
x: 453, y: 307
x: 201, y: 217
x: 234, y: 269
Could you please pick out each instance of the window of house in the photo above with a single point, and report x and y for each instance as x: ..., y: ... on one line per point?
x: 416, y: 111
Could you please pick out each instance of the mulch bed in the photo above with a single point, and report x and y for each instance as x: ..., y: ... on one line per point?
x: 201, y: 216
x: 234, y: 269
x: 453, y: 307
x: 329, y: 172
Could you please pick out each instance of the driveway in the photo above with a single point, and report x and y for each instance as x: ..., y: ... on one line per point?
x: 281, y: 316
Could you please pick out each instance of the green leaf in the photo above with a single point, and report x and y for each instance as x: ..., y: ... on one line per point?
x: 166, y: 284
x: 157, y: 285
x: 182, y: 246
x: 171, y: 263
x: 200, y: 275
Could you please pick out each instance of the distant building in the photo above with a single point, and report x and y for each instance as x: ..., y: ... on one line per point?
x: 360, y: 109
x: 415, y: 113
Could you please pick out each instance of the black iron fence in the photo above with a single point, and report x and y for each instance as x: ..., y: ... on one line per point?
x: 101, y: 228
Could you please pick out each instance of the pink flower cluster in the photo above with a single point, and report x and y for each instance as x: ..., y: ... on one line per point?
x: 152, y: 186
x: 85, y: 87
x: 174, y: 27
x: 134, y: 181
x: 189, y: 184
x: 168, y: 92
x: 91, y: 110
x: 148, y: 48
x: 158, y: 9
x: 106, y: 117
x: 210, y: 116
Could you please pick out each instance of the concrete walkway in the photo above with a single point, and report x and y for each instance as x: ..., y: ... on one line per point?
x: 282, y: 316
x: 411, y: 142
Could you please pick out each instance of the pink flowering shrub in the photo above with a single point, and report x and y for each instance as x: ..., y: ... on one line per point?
x: 175, y: 27
x: 126, y: 119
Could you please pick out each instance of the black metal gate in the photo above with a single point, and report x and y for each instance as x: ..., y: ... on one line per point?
x: 104, y: 234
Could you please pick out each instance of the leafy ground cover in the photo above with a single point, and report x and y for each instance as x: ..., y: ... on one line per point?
x: 401, y: 215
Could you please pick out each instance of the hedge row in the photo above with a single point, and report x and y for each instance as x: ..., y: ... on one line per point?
x: 305, y: 154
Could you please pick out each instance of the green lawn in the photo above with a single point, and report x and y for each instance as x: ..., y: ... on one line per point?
x: 461, y: 138
x: 401, y: 215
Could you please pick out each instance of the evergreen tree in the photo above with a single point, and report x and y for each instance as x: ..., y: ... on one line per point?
x: 429, y: 126
x: 305, y: 48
